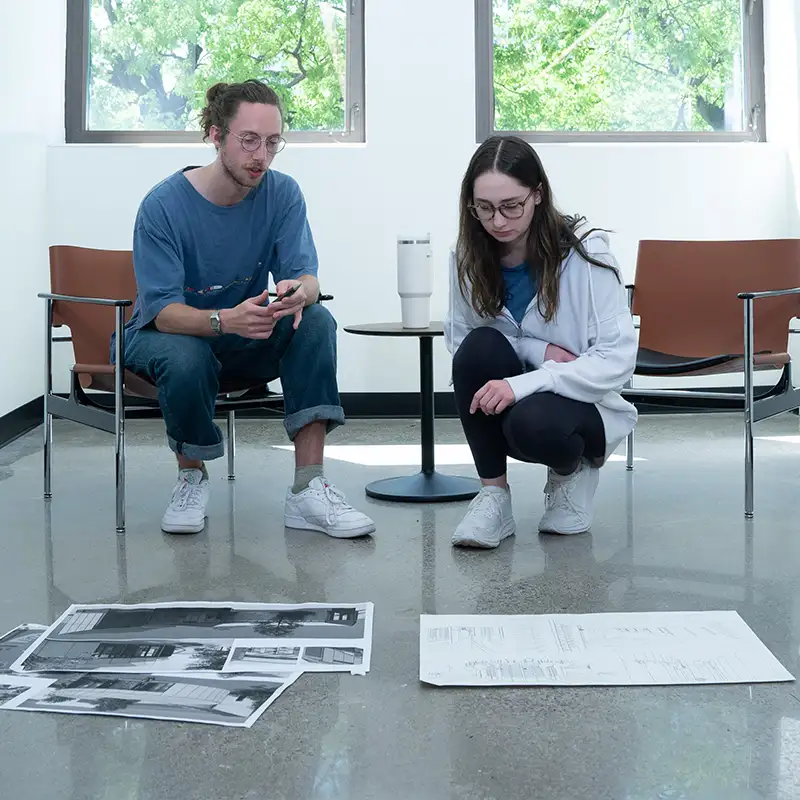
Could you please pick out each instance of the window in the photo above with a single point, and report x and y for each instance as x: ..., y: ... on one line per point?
x: 137, y: 70
x: 118, y: 650
x: 556, y: 70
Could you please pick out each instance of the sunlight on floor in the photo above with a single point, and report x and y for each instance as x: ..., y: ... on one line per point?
x: 405, y: 455
x: 789, y: 438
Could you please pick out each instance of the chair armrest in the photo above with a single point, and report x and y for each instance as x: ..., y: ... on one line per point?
x: 629, y: 287
x: 773, y: 293
x: 99, y: 301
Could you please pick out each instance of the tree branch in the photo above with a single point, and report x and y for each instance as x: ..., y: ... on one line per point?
x: 169, y: 103
x: 296, y: 52
x: 111, y: 12
x: 562, y: 55
x: 647, y: 66
x: 710, y: 112
x: 508, y: 89
x: 693, y: 18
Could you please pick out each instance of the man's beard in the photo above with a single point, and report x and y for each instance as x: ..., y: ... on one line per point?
x: 233, y: 177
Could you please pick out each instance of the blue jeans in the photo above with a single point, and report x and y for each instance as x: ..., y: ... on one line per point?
x: 187, y: 371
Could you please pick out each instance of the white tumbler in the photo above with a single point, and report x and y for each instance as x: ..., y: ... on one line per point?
x: 415, y: 280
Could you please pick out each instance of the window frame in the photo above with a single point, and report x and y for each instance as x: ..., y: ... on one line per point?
x: 753, y: 84
x: 77, y: 90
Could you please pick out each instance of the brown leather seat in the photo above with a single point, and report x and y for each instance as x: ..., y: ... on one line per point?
x: 84, y: 272
x: 692, y: 321
x: 88, y: 288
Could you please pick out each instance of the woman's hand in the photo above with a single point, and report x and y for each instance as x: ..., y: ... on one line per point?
x: 494, y: 398
x: 558, y: 354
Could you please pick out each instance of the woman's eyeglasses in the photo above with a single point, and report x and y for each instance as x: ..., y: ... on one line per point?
x: 251, y: 142
x: 486, y: 211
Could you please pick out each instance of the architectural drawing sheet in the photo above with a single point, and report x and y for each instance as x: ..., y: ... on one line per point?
x: 204, y: 637
x: 626, y: 649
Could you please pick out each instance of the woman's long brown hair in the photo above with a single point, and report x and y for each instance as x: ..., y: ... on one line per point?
x: 551, y: 235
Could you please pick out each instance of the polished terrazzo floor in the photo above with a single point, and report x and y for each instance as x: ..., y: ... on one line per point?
x: 670, y: 536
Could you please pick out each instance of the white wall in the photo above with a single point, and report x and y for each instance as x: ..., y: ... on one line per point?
x: 31, y: 94
x: 782, y: 44
x: 406, y: 179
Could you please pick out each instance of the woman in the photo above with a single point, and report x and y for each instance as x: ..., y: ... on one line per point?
x: 542, y: 340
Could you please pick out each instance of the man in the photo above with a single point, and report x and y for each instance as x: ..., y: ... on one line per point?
x: 205, y: 241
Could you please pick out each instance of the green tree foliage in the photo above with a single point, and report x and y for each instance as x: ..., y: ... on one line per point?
x: 616, y: 65
x: 151, y: 62
x: 562, y: 65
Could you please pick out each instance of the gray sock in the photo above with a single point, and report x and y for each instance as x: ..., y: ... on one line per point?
x: 304, y: 475
x: 202, y: 469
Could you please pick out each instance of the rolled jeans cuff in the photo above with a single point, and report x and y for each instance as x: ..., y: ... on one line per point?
x: 198, y: 452
x: 333, y: 415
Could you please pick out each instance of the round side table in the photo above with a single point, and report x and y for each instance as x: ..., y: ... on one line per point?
x: 428, y: 485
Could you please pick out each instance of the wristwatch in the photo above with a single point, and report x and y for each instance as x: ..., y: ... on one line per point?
x: 216, y: 323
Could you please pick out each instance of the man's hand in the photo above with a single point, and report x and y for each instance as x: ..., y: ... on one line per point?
x: 251, y: 319
x: 494, y: 398
x: 555, y: 353
x: 291, y: 306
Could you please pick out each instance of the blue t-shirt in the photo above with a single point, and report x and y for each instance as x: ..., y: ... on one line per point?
x: 520, y: 288
x: 189, y: 250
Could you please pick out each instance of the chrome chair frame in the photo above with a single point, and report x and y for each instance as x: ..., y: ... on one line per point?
x: 778, y: 399
x: 80, y: 407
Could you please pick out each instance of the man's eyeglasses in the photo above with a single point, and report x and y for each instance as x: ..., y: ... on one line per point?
x: 486, y: 211
x: 251, y: 142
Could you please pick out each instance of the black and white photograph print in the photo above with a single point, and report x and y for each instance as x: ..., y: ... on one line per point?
x: 66, y: 654
x: 14, y: 643
x: 9, y: 692
x: 267, y: 658
x: 211, y: 622
x: 331, y: 657
x: 15, y: 688
x: 326, y: 658
x: 213, y: 699
x: 197, y: 636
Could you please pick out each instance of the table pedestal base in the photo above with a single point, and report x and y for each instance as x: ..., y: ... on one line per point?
x: 422, y: 488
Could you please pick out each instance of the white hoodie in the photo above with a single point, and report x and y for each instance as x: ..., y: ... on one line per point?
x: 593, y: 321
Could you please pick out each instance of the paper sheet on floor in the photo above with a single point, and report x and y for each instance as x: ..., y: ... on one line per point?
x: 205, y: 637
x: 233, y: 700
x: 625, y: 649
x: 14, y: 643
x: 16, y: 688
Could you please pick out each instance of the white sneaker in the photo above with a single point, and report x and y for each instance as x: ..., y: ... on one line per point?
x: 187, y: 509
x: 569, y: 500
x: 322, y: 507
x: 488, y: 519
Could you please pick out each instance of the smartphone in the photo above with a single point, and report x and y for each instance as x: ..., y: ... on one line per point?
x: 288, y: 293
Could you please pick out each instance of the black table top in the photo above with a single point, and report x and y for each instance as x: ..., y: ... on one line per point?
x: 436, y: 328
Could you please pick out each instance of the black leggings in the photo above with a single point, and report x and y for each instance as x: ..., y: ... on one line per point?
x: 543, y: 428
